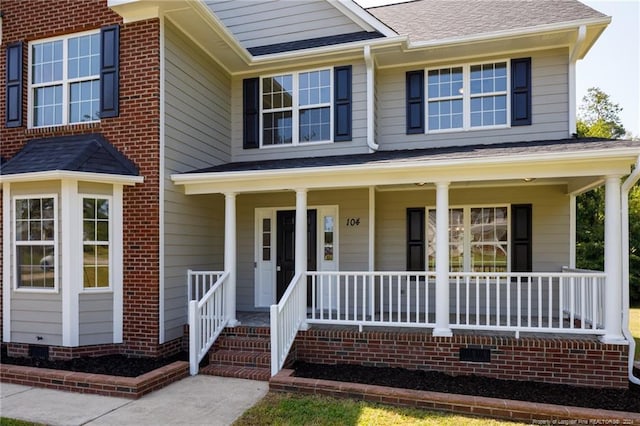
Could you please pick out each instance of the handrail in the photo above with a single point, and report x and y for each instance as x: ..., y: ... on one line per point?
x: 207, y: 319
x: 286, y: 319
x: 199, y: 282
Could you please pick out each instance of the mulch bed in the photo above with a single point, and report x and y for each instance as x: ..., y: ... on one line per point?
x: 112, y: 365
x: 608, y: 399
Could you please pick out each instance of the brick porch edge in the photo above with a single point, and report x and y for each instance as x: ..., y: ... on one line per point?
x: 101, y: 384
x: 284, y: 381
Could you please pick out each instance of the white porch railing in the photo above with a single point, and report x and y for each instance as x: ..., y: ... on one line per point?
x: 199, y: 282
x: 286, y: 319
x: 402, y: 299
x: 571, y: 302
x: 207, y: 315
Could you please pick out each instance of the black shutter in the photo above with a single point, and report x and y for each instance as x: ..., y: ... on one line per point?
x: 521, y: 247
x: 342, y: 103
x: 415, y: 239
x: 109, y: 71
x: 415, y: 102
x: 14, y: 85
x: 251, y: 113
x: 521, y: 92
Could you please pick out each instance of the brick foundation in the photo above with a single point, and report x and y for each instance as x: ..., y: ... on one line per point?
x: 125, y: 387
x: 580, y: 361
x: 522, y: 411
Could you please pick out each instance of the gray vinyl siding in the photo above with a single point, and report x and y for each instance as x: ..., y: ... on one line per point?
x: 96, y: 318
x: 35, y: 315
x: 197, y: 134
x: 550, y: 108
x: 550, y: 223
x: 261, y: 23
x: 353, y: 241
x: 357, y: 145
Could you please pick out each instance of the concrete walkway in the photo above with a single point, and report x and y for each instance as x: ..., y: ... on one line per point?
x: 197, y: 400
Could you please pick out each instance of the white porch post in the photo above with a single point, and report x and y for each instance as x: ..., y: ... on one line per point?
x: 572, y: 231
x: 613, y: 261
x: 442, y: 261
x: 230, y: 256
x: 301, y: 246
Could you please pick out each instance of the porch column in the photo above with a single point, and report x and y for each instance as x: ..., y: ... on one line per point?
x: 613, y: 261
x: 442, y: 261
x: 230, y: 256
x: 301, y: 248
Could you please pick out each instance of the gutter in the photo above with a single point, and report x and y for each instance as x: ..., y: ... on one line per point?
x: 371, y: 140
x: 633, y: 178
x: 573, y: 59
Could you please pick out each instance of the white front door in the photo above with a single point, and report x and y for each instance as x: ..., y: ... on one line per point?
x: 266, y: 250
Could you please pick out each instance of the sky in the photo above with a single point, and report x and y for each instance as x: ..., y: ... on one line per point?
x: 612, y: 64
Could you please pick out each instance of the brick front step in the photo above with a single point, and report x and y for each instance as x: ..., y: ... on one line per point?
x: 525, y: 411
x: 240, y: 358
x: 252, y: 344
x: 252, y: 373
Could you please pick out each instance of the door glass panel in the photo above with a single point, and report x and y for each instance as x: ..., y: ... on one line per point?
x: 266, y: 239
x: 328, y: 228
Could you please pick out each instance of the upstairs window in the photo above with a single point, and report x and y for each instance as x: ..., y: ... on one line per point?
x: 64, y: 80
x: 468, y: 97
x: 296, y: 108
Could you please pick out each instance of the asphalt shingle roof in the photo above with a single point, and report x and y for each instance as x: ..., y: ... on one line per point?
x: 90, y: 153
x: 431, y: 20
x: 313, y: 42
x: 427, y: 155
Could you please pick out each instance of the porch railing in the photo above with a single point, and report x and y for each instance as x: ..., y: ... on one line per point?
x: 568, y: 302
x: 207, y: 315
x: 286, y: 319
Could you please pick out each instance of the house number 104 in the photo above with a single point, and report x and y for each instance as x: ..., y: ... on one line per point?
x: 353, y: 221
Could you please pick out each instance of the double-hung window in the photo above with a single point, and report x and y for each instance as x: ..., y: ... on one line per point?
x: 64, y: 80
x: 296, y: 108
x: 35, y: 234
x: 96, y: 243
x: 468, y: 97
x: 478, y: 239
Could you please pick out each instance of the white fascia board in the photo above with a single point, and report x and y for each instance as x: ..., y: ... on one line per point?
x: 456, y: 170
x: 361, y: 17
x: 519, y: 32
x: 63, y: 174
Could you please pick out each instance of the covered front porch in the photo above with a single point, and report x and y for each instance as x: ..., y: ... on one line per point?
x: 506, y: 278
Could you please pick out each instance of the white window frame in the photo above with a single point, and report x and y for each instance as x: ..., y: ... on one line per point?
x: 15, y: 243
x: 65, y: 82
x: 466, y: 97
x: 466, y: 208
x: 296, y: 109
x: 110, y: 244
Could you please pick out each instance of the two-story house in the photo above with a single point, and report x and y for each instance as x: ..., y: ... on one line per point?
x: 314, y: 165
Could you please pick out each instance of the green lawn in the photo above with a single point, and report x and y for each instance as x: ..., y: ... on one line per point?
x: 292, y: 409
x: 634, y: 326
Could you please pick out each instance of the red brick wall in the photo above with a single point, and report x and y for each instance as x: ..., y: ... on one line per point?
x: 135, y: 133
x: 578, y: 361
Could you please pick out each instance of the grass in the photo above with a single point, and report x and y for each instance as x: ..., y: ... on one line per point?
x: 292, y: 409
x: 4, y: 421
x: 634, y: 326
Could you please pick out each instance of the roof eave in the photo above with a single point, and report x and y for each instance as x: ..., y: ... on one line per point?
x: 71, y: 175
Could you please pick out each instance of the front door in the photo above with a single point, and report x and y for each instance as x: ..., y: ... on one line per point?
x: 286, y: 251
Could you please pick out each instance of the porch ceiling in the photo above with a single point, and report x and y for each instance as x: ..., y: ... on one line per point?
x: 578, y: 163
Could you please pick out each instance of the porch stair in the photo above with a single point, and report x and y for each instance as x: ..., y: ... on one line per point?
x: 241, y: 352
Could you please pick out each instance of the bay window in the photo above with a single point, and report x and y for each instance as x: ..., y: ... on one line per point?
x: 96, y: 243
